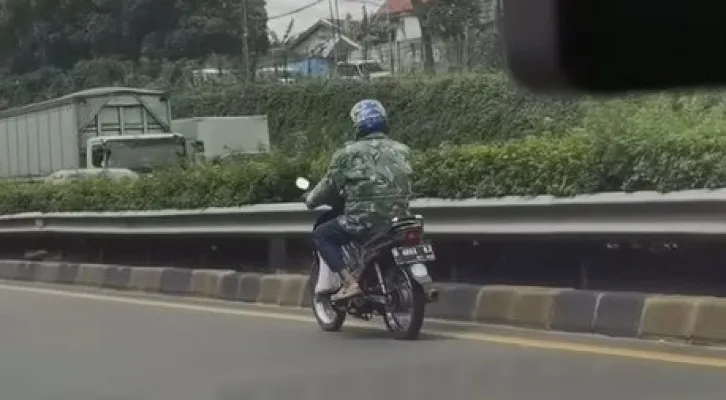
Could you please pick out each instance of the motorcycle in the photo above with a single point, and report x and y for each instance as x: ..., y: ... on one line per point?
x: 390, y: 267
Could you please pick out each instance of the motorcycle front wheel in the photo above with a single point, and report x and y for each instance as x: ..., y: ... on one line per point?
x: 330, y: 319
x: 406, y: 304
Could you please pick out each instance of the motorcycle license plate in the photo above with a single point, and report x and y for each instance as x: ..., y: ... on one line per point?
x: 414, y: 254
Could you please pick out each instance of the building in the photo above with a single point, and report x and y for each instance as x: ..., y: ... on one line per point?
x: 405, y: 54
x: 405, y: 49
x: 322, y: 44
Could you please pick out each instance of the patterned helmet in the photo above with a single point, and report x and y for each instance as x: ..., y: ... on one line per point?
x: 369, y: 116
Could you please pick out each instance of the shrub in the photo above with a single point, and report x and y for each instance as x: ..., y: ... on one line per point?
x: 312, y: 116
x: 576, y: 164
x: 264, y: 179
x: 560, y: 166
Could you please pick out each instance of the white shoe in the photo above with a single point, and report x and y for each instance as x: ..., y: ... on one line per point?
x: 347, y: 292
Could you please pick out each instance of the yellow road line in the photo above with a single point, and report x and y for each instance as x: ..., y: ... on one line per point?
x: 280, y: 314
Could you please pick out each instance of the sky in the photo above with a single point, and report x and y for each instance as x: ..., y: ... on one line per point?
x: 304, y: 19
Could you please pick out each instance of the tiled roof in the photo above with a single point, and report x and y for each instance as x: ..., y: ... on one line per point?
x: 395, y: 7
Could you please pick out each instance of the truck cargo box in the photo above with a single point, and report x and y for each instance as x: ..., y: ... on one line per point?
x: 40, y: 138
x: 223, y: 136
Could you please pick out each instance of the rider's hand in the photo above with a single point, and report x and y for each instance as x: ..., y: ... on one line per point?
x: 304, y: 199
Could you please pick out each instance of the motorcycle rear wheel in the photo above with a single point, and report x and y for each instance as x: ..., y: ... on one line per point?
x: 329, y: 318
x: 417, y: 305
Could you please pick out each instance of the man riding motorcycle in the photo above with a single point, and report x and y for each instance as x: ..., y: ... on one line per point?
x: 373, y: 175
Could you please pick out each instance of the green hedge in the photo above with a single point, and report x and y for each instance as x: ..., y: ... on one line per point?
x: 576, y: 164
x: 561, y: 166
x: 484, y: 109
x: 313, y: 115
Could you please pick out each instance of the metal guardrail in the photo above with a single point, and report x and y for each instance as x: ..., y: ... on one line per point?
x: 696, y: 212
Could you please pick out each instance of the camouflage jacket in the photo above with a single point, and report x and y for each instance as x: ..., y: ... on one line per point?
x: 374, y: 177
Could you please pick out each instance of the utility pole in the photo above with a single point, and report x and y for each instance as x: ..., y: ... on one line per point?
x: 337, y: 26
x: 337, y: 14
x: 391, y: 32
x: 391, y: 39
x: 246, y: 41
x: 335, y: 48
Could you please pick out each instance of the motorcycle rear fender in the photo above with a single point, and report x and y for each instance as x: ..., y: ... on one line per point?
x: 419, y: 272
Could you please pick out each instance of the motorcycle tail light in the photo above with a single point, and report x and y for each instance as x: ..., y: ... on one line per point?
x: 412, y: 237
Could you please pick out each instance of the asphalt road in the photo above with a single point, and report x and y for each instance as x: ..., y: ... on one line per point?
x: 58, y: 344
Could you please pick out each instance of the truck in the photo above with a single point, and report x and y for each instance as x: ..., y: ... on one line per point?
x: 214, y: 138
x: 107, y: 127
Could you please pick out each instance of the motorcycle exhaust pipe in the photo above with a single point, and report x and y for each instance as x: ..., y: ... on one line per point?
x: 432, y: 295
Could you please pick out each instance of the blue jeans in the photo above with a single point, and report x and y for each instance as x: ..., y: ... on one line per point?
x: 329, y: 238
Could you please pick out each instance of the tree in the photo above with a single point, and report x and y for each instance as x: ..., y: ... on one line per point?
x: 360, y: 31
x: 36, y: 33
x: 456, y: 21
x: 422, y: 9
x: 217, y: 27
x: 370, y: 31
x: 280, y: 46
x: 486, y: 47
x: 452, y: 18
x: 446, y: 19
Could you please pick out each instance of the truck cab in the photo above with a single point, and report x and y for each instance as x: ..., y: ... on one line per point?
x: 138, y: 153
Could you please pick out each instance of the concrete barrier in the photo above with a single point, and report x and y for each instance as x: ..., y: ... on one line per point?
x: 496, y: 304
x: 229, y: 287
x: 26, y: 271
x: 282, y: 289
x: 206, y: 283
x: 270, y: 288
x: 116, y: 277
x: 457, y: 301
x: 249, y: 287
x: 46, y: 272
x: 619, y: 314
x: 533, y: 306
x: 307, y: 293
x: 574, y: 310
x: 8, y: 269
x: 90, y: 274
x: 291, y: 291
x: 145, y: 279
x: 710, y: 325
x: 67, y: 273
x: 671, y: 317
x: 175, y: 281
x: 700, y: 320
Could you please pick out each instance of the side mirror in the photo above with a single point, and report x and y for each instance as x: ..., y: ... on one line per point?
x: 302, y: 183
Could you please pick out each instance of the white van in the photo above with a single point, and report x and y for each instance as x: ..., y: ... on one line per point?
x: 361, y: 70
x: 280, y: 74
x: 212, y: 75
